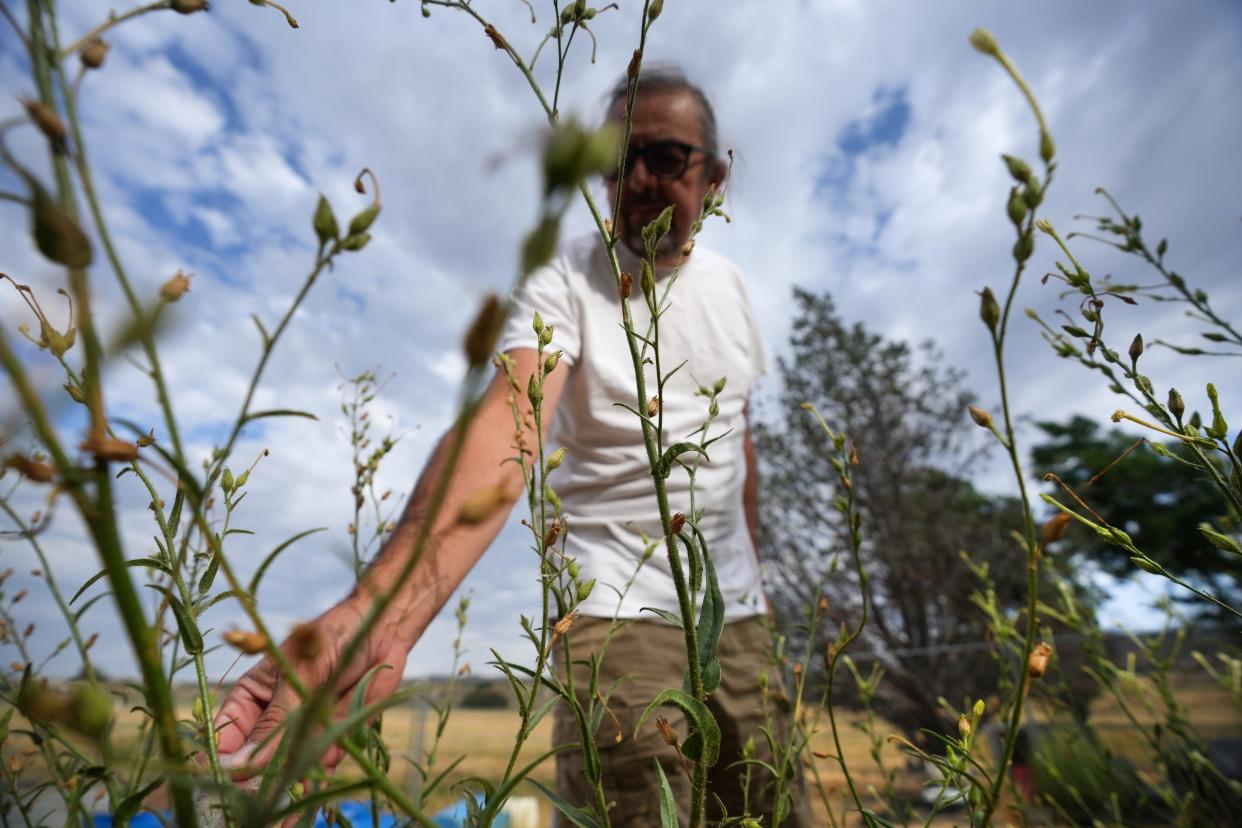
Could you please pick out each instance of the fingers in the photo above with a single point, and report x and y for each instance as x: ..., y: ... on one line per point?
x: 243, y: 706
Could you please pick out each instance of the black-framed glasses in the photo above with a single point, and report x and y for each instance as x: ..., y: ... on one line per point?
x: 663, y: 159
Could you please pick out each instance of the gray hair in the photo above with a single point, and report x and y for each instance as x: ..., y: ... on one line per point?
x: 668, y: 78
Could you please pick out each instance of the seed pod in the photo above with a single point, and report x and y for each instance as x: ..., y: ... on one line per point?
x: 1047, y: 149
x: 627, y: 285
x: 720, y: 384
x: 109, y: 448
x: 93, y: 53
x: 1017, y: 206
x: 146, y: 439
x: 90, y: 710
x: 676, y: 523
x: 482, y: 504
x: 1146, y: 564
x: 636, y: 62
x: 31, y: 469
x: 1023, y: 247
x: 572, y: 568
x: 555, y: 459
x: 481, y: 337
x: 1054, y: 529
x: 549, y: 364
x: 355, y: 242
x: 687, y: 248
x: 495, y: 37
x: 176, y: 287
x: 1033, y: 193
x: 58, y: 236
x: 226, y: 480
x: 647, y: 280
x: 666, y: 731
x: 982, y: 418
x: 1136, y: 348
x: 362, y: 222
x: 980, y: 707
x: 324, y: 221
x: 1019, y: 169
x: 584, y: 590
x: 189, y: 6
x: 653, y: 406
x: 989, y: 310
x: 1037, y: 662
x: 985, y: 42
x: 46, y: 119
x: 248, y: 642
x: 653, y: 10
x: 550, y: 536
x: 963, y: 727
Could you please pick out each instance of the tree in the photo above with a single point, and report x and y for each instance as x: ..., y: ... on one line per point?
x: 906, y: 411
x: 1157, y: 499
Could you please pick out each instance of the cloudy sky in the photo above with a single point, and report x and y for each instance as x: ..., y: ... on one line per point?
x: 866, y: 133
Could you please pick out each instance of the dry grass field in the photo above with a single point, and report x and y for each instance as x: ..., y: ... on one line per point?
x: 483, y: 739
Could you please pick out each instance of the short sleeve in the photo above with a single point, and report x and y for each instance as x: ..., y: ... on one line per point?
x: 547, y: 291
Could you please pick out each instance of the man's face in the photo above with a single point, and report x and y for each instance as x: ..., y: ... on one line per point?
x: 667, y: 115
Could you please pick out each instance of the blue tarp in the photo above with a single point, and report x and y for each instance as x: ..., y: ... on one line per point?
x: 358, y: 813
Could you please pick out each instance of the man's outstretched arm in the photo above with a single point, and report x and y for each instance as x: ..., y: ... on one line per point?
x: 261, y: 699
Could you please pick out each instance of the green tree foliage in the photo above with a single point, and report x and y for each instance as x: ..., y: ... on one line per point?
x: 906, y: 411
x: 1155, y: 497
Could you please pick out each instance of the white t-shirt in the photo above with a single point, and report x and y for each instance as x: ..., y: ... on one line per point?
x: 605, y: 483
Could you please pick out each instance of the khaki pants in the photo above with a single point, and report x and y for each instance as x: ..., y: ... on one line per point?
x: 653, y: 655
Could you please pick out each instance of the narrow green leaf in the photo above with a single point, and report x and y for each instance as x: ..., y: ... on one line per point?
x: 700, y: 717
x: 271, y: 556
x: 675, y: 451
x: 190, y: 635
x: 574, y: 815
x: 129, y: 805
x: 209, y: 575
x: 150, y: 563
x: 1219, y: 540
x: 668, y: 806
x: 277, y: 412
x: 671, y: 617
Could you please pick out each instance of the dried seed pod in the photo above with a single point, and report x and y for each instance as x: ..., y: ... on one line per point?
x: 982, y: 418
x: 249, y: 643
x: 109, y: 448
x: 676, y: 523
x: 1136, y: 348
x: 666, y: 731
x: 46, y: 119
x: 627, y: 285
x: 550, y: 536
x: 653, y: 406
x: 1037, y: 663
x: 1176, y: 404
x: 176, y: 287
x: 1054, y: 529
x: 29, y: 468
x: 189, y: 6
x: 93, y: 53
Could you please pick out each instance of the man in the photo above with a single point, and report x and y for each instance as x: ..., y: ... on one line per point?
x: 605, y: 484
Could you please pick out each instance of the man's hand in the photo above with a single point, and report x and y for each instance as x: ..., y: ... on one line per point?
x: 262, y: 699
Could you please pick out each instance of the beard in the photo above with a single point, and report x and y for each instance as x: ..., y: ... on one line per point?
x: 666, y: 248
